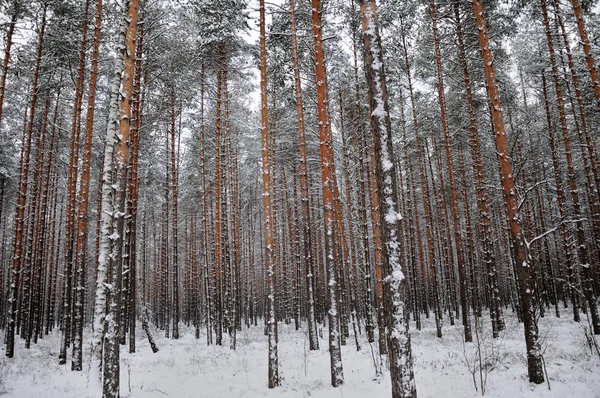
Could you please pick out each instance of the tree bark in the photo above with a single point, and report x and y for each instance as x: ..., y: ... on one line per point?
x: 587, y: 50
x: 453, y: 189
x: 480, y: 186
x: 84, y: 192
x: 580, y: 234
x: 304, y: 197
x: 18, y: 240
x: 327, y: 165
x: 398, y: 337
x: 526, y: 283
x: 273, y: 378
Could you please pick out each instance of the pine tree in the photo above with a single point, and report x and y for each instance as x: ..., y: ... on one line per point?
x: 267, y: 210
x: 519, y: 248
x: 397, y: 320
x: 327, y: 180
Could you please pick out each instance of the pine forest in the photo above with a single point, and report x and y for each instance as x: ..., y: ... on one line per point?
x: 299, y: 198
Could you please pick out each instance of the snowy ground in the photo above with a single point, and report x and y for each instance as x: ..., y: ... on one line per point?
x: 188, y: 368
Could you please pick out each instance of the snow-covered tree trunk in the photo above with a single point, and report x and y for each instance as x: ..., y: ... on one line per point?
x: 111, y: 353
x: 273, y: 378
x: 207, y: 299
x: 72, y: 177
x: 105, y: 344
x: 480, y: 185
x: 425, y: 195
x: 174, y: 225
x: 587, y: 49
x: 328, y: 185
x: 6, y: 60
x: 133, y: 189
x: 582, y: 251
x: 50, y: 203
x: 526, y: 283
x: 84, y: 193
x: 456, y: 226
x: 353, y: 269
x: 18, y: 246
x: 399, y: 347
x: 218, y: 202
x: 304, y: 197
x: 106, y: 222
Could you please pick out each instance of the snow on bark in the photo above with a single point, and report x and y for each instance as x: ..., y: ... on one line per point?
x: 106, y: 222
x: 328, y: 185
x: 104, y: 344
x: 306, y: 221
x: 520, y: 255
x: 273, y: 376
x: 398, y: 335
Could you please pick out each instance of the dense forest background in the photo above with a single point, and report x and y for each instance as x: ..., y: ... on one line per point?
x: 226, y: 164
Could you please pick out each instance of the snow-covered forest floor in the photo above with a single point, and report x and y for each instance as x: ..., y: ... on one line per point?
x: 188, y: 368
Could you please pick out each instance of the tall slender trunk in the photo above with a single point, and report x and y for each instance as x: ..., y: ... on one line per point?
x: 353, y: 268
x: 111, y: 340
x: 50, y: 174
x: 398, y: 337
x: 165, y: 252
x: 414, y: 234
x: 521, y: 258
x: 426, y: 197
x: 587, y: 50
x: 18, y: 247
x: 105, y: 343
x: 327, y: 165
x: 72, y: 174
x: 453, y: 189
x: 584, y: 260
x: 376, y: 227
x: 361, y: 148
x: 219, y: 261
x: 297, y: 293
x: 174, y: 193
x: 204, y: 213
x: 267, y: 214
x: 304, y: 197
x: 480, y: 185
x: 84, y: 192
x: 136, y: 117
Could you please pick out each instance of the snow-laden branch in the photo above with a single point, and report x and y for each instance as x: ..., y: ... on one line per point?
x: 523, y: 197
x: 552, y: 230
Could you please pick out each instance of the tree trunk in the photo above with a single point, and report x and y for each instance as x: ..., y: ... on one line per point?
x: 453, y: 189
x: 267, y: 214
x: 174, y: 193
x: 426, y: 197
x: 204, y: 213
x: 587, y: 49
x: 70, y: 225
x: 84, y: 192
x: 480, y: 186
x: 398, y: 337
x: 304, y: 197
x: 580, y: 235
x: 19, y: 217
x: 327, y: 162
x: 526, y: 283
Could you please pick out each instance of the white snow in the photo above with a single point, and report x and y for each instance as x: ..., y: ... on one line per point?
x: 188, y: 368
